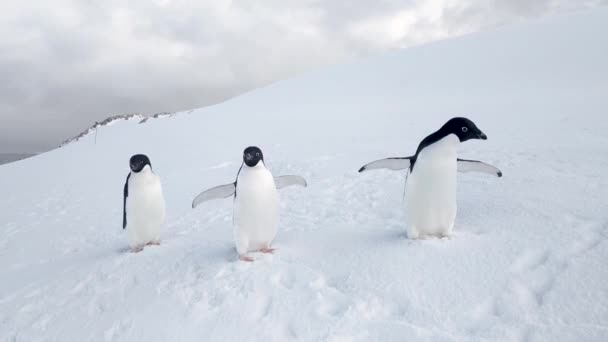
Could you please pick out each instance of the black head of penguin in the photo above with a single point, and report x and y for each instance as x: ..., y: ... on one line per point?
x: 463, y: 128
x: 252, y: 155
x: 138, y: 162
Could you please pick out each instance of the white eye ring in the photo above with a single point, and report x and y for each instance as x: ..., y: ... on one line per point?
x: 464, y: 129
x: 257, y: 154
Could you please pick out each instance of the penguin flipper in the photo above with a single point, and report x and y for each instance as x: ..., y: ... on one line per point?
x: 125, y: 194
x: 217, y: 192
x: 400, y: 163
x: 465, y: 165
x: 285, y: 181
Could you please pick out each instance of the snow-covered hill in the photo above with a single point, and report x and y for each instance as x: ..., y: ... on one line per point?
x: 527, y: 262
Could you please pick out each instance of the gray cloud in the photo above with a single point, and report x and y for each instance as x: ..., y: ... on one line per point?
x: 66, y: 64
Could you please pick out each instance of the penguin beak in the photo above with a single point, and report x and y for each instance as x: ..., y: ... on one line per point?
x: 248, y: 156
x: 482, y: 136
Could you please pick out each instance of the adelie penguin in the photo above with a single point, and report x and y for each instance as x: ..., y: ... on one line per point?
x: 143, y: 204
x: 256, y: 203
x: 430, y: 189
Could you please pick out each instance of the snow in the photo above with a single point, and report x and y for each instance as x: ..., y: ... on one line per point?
x: 527, y: 262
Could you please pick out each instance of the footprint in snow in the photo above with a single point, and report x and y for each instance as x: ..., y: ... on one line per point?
x: 118, y: 328
x: 263, y: 307
x: 529, y: 261
x: 284, y: 280
x: 535, y: 273
x: 586, y: 242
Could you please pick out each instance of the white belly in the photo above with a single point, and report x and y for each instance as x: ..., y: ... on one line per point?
x: 256, y: 209
x: 145, y: 208
x: 430, y: 194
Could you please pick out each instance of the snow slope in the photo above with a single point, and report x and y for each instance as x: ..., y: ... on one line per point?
x: 527, y: 262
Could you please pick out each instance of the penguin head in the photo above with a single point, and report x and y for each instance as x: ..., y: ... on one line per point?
x: 138, y: 162
x: 252, y: 156
x: 464, y: 129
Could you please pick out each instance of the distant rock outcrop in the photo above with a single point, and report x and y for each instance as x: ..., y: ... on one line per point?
x: 111, y: 120
x: 6, y: 158
x: 156, y: 116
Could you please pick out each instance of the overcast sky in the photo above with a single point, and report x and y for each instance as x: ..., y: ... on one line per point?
x: 65, y: 64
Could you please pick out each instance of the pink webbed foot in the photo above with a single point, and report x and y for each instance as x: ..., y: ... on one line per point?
x: 268, y: 250
x: 137, y: 249
x: 245, y: 258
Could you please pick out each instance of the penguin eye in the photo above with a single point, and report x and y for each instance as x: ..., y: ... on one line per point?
x: 464, y: 129
x: 257, y: 154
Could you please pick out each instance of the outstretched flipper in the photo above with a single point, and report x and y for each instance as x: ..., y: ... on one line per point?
x: 125, y: 194
x: 285, y: 181
x: 221, y: 191
x: 388, y: 163
x: 465, y: 165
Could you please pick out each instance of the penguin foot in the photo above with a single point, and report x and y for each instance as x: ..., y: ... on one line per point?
x: 245, y: 258
x: 137, y: 249
x: 446, y: 235
x: 153, y: 243
x: 268, y: 250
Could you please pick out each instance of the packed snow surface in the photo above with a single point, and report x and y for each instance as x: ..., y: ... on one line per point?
x: 528, y: 261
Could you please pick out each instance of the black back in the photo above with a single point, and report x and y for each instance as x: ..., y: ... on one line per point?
x: 463, y: 128
x: 136, y: 163
x: 125, y: 193
x: 236, y: 181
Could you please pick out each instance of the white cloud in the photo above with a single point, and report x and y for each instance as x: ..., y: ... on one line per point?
x: 65, y: 64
